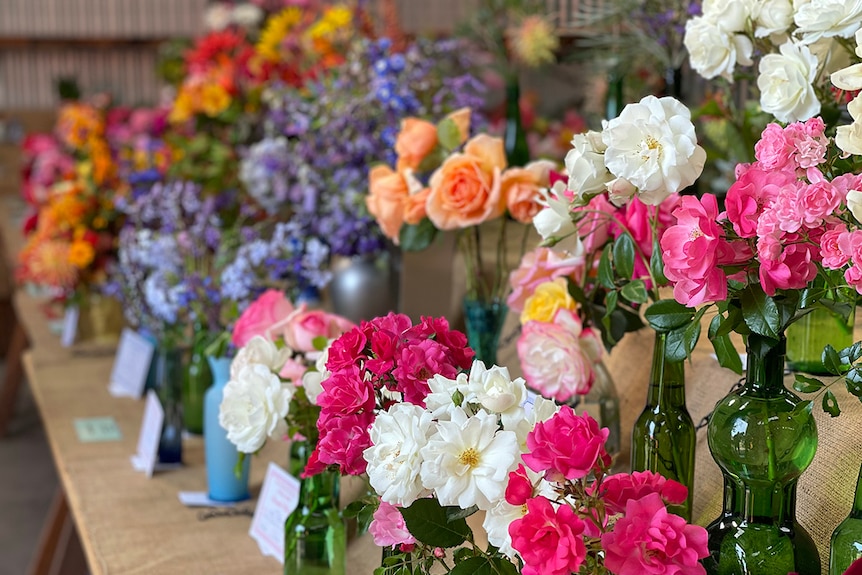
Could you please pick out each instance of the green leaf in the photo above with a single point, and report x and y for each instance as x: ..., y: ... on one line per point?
x: 611, y: 302
x: 577, y: 293
x: 484, y: 566
x: 336, y: 535
x: 606, y: 272
x: 668, y: 314
x: 635, y: 291
x: 760, y: 312
x: 805, y: 384
x: 320, y: 342
x: 853, y: 381
x: 624, y: 256
x: 831, y: 360
x: 448, y: 134
x: 726, y: 353
x: 414, y: 238
x: 453, y: 513
x: 734, y: 316
x: 656, y: 264
x: 691, y: 335
x: 427, y: 521
x: 675, y: 345
x: 830, y: 404
x: 850, y: 355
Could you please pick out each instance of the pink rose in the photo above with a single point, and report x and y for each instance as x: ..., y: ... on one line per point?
x: 793, y: 269
x: 347, y: 349
x: 853, y: 277
x: 437, y: 328
x: 774, y: 148
x: 549, y: 541
x: 537, y: 267
x: 830, y: 249
x: 750, y: 194
x: 818, y: 201
x: 343, y: 441
x: 257, y: 319
x: 594, y: 224
x: 302, y: 327
x: 520, y: 488
x: 558, y: 358
x: 346, y: 392
x: 618, y: 489
x: 293, y: 371
x: 417, y: 364
x: 388, y: 527
x: 648, y: 539
x: 566, y: 446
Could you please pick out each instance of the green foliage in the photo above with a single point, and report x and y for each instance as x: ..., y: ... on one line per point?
x: 667, y: 314
x: 448, y: 134
x: 429, y: 523
x: 624, y: 256
x: 415, y: 238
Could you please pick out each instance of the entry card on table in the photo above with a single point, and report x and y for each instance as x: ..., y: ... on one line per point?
x: 93, y: 429
x: 131, y: 364
x: 279, y: 496
x: 151, y: 431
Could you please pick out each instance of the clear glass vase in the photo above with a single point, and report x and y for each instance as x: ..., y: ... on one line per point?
x: 762, y: 437
x: 484, y: 322
x: 315, y: 538
x: 663, y: 437
x: 169, y: 377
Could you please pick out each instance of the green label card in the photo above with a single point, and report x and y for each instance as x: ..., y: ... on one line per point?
x: 97, y: 429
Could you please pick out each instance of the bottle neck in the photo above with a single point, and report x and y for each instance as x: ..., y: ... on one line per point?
x: 765, y: 363
x: 763, y: 503
x: 856, y: 512
x: 667, y: 380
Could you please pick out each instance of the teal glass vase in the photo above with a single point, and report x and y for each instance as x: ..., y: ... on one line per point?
x: 198, y: 379
x: 663, y: 437
x: 845, y: 547
x: 484, y: 322
x: 516, y: 146
x: 315, y: 538
x: 762, y: 437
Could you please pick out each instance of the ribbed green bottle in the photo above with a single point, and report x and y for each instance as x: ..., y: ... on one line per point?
x: 846, y: 544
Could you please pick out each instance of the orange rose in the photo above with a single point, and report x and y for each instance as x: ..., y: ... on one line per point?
x: 414, y: 208
x: 387, y: 196
x: 520, y: 187
x: 415, y: 141
x: 465, y: 190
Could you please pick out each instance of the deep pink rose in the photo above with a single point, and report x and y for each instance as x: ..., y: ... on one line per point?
x: 618, y: 489
x: 648, y: 539
x: 537, y: 267
x: 417, y: 364
x: 346, y: 392
x: 388, y: 527
x: 437, y: 328
x: 549, y: 541
x: 750, y: 194
x: 830, y: 248
x: 793, y: 269
x: 384, y: 346
x: 566, y: 446
x: 347, y: 349
x: 774, y: 148
x: 257, y: 319
x: 302, y: 327
x: 520, y: 488
x: 395, y: 323
x: 342, y: 442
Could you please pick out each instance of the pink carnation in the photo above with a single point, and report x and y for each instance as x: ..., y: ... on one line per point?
x: 648, y: 539
x: 549, y: 541
x: 257, y: 319
x: 566, y: 446
x: 537, y: 267
x: 617, y: 490
x: 388, y: 527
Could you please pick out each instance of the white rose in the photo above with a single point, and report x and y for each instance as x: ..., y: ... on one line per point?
x: 497, y: 392
x: 652, y: 145
x: 439, y: 400
x: 312, y: 381
x: 259, y: 350
x: 217, y: 17
x: 854, y: 204
x: 554, y: 220
x: 849, y: 138
x: 772, y: 17
x: 247, y: 15
x: 585, y: 165
x: 827, y: 18
x: 714, y: 51
x: 785, y: 83
x: 541, y: 410
x: 729, y: 15
x: 620, y: 191
x: 394, y: 459
x: 254, y: 407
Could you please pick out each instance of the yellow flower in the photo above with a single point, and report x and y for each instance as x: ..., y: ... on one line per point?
x: 548, y: 298
x: 277, y: 27
x: 183, y: 107
x: 81, y: 254
x: 534, y: 41
x: 214, y: 100
x: 338, y: 16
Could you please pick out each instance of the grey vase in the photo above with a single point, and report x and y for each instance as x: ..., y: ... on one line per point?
x: 364, y: 287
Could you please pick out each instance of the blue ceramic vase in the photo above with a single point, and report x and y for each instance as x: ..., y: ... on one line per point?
x: 221, y: 455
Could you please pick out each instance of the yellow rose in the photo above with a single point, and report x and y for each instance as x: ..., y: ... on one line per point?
x: 548, y: 298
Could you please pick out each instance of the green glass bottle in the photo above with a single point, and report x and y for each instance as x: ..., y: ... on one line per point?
x: 517, y: 149
x: 807, y: 337
x: 762, y: 437
x: 846, y: 544
x: 663, y: 437
x: 198, y: 379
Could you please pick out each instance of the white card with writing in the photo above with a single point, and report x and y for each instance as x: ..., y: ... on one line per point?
x: 279, y: 496
x: 201, y: 499
x: 151, y: 431
x: 70, y: 326
x: 131, y: 364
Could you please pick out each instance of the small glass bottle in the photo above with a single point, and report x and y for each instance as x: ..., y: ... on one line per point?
x: 169, y: 377
x: 846, y: 544
x: 517, y: 149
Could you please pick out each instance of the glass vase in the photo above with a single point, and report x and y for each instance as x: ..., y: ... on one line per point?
x: 484, y: 322
x: 169, y: 377
x: 603, y: 404
x: 845, y: 547
x: 517, y: 149
x: 807, y: 337
x: 762, y: 437
x: 198, y: 378
x: 663, y: 437
x: 315, y: 539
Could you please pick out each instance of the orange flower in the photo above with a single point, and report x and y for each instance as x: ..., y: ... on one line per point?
x: 520, y: 187
x: 81, y: 254
x: 415, y: 208
x: 47, y: 263
x: 415, y: 141
x: 465, y: 190
x: 387, y: 195
x: 214, y: 99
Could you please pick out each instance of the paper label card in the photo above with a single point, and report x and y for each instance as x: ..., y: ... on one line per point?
x: 131, y: 365
x: 151, y: 431
x: 201, y: 499
x: 70, y: 326
x: 95, y: 429
x: 279, y: 496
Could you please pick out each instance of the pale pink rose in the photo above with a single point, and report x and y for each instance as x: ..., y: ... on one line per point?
x: 556, y: 358
x: 818, y: 201
x: 809, y: 142
x: 548, y: 540
x: 648, y: 539
x: 774, y: 149
x: 830, y: 249
x: 594, y: 222
x: 566, y: 446
x: 753, y: 191
x: 793, y: 269
x: 257, y: 319
x: 616, y: 490
x: 388, y: 527
x: 292, y: 371
x: 853, y: 276
x: 302, y: 327
x: 850, y: 245
x: 846, y: 182
x: 537, y: 267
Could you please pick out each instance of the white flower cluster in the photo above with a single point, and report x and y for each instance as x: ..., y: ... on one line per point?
x: 460, y: 448
x: 849, y: 138
x: 220, y: 15
x: 802, y: 32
